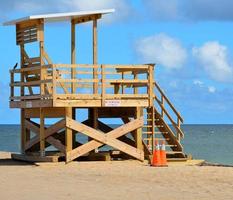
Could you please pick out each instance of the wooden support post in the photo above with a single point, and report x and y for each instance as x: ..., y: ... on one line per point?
x: 69, y: 137
x: 138, y: 132
x: 73, y: 70
x: 95, y: 54
x: 41, y: 46
x: 95, y: 75
x: 103, y: 85
x: 153, y: 128
x: 42, y: 133
x: 22, y: 113
x: 151, y: 85
x: 23, y: 130
x: 135, y: 88
x: 12, y: 87
x: 122, y: 86
x: 73, y: 55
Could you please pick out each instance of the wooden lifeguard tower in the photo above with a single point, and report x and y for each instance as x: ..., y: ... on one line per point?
x: 43, y: 90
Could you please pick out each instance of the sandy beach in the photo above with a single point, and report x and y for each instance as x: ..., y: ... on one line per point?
x: 112, y: 180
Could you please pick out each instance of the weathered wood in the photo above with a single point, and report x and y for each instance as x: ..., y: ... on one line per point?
x: 30, y: 158
x: 109, y: 139
x: 48, y: 112
x: 42, y: 133
x: 138, y: 131
x: 48, y: 132
x: 69, y: 137
x: 73, y: 54
x: 87, y: 18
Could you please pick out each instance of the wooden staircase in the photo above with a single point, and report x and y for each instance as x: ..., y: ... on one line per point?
x: 160, y: 125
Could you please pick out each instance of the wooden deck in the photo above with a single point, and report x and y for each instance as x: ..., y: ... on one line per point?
x: 75, y: 86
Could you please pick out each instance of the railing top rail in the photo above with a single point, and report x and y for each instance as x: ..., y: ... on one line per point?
x: 27, y: 69
x: 143, y: 66
x: 168, y: 101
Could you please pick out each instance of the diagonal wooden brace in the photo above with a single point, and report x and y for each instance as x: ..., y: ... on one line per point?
x: 48, y: 135
x: 101, y: 138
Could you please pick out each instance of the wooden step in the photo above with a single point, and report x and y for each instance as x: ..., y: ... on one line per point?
x: 159, y: 139
x: 174, y: 152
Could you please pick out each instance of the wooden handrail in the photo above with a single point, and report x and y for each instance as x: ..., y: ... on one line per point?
x: 168, y: 101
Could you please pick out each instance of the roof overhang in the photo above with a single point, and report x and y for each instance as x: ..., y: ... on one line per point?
x: 56, y: 17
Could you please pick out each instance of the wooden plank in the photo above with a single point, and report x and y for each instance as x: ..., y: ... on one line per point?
x: 138, y: 131
x: 69, y: 142
x: 97, y: 103
x: 48, y: 112
x: 30, y: 97
x: 84, y: 19
x: 151, y: 86
x: 111, y: 112
x: 29, y: 158
x: 31, y: 83
x: 23, y: 130
x: 32, y: 104
x: 73, y: 55
x: 42, y: 133
x: 108, y: 139
x: 48, y: 132
x: 103, y: 89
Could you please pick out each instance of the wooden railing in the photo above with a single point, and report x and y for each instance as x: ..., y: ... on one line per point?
x: 32, y: 81
x: 83, y: 81
x: 112, y: 82
x: 164, y: 102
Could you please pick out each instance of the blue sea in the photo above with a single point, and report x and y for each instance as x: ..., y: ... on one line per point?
x: 213, y: 143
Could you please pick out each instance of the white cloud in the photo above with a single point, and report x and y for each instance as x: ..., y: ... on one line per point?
x: 198, y: 82
x: 162, y: 49
x: 214, y: 59
x: 211, y: 89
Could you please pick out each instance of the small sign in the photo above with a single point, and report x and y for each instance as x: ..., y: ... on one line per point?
x: 112, y: 103
x: 28, y: 104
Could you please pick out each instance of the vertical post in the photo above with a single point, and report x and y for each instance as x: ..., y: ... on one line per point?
x: 69, y: 142
x: 135, y: 88
x: 122, y: 86
x: 73, y: 70
x: 95, y: 69
x: 103, y: 85
x: 151, y: 85
x: 138, y: 132
x: 22, y: 112
x: 94, y: 111
x: 73, y: 55
x: 42, y: 133
x: 153, y: 128
x: 12, y: 82
x: 41, y: 46
x: 42, y: 87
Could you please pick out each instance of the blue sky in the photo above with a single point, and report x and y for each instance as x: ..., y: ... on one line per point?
x: 190, y: 41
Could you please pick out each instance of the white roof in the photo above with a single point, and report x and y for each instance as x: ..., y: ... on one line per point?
x: 59, y: 16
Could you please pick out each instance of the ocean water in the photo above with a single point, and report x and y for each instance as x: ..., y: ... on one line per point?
x: 213, y: 143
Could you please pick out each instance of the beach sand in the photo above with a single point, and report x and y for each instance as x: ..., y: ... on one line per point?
x: 125, y: 180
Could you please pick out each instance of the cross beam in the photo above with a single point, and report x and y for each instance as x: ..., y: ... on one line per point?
x: 48, y: 134
x: 101, y: 138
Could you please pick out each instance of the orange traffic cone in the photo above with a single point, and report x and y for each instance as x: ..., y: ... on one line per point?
x: 163, y: 157
x: 156, y: 155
